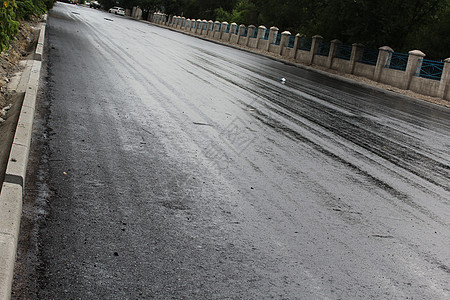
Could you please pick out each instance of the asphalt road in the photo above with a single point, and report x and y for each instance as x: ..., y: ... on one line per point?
x: 166, y: 166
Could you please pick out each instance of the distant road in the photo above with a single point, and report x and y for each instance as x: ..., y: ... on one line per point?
x: 171, y: 167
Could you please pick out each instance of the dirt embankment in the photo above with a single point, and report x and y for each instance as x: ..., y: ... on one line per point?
x: 22, y: 46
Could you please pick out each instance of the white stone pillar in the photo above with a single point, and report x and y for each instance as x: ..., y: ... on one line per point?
x: 444, y: 84
x: 383, y: 55
x: 415, y: 59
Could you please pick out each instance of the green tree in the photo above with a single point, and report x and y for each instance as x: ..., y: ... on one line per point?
x: 8, y: 24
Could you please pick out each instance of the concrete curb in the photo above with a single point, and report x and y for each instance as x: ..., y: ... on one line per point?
x: 14, y: 183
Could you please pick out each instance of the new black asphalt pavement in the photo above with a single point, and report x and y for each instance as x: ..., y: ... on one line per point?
x: 165, y: 166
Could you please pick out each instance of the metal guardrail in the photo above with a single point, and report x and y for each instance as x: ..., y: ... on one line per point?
x: 266, y: 34
x: 369, y: 57
x: 397, y: 61
x: 244, y: 34
x: 255, y: 33
x: 323, y: 49
x: 430, y: 69
x: 290, y: 42
x: 305, y: 44
x: 228, y: 28
x: 344, y: 52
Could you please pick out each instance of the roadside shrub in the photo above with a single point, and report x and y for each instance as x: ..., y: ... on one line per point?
x: 8, y: 24
x: 25, y: 9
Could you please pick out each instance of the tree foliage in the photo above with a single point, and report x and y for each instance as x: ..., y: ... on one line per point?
x: 402, y: 25
x: 8, y: 24
x: 11, y: 12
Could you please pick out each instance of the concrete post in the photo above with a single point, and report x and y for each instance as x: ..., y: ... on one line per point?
x: 415, y: 59
x: 250, y: 33
x: 294, y: 51
x: 233, y: 28
x: 334, y: 44
x: 357, y: 52
x: 183, y: 23
x: 261, y: 31
x: 383, y: 55
x: 240, y: 33
x: 195, y: 25
x: 203, y: 28
x: 199, y: 27
x: 210, y: 30
x: 283, y: 42
x: 188, y: 25
x: 223, y: 30
x: 217, y: 30
x: 272, y: 34
x: 316, y: 40
x: 444, y: 84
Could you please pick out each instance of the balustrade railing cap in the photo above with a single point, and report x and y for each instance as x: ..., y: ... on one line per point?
x: 262, y: 27
x: 274, y: 28
x: 417, y: 53
x: 217, y: 22
x: 205, y: 21
x: 224, y: 22
x: 317, y: 37
x: 210, y: 21
x: 299, y: 34
x: 286, y: 33
x: 233, y: 24
x: 251, y: 26
x: 336, y: 41
x: 357, y: 45
x: 386, y: 48
x: 447, y: 60
x: 242, y: 25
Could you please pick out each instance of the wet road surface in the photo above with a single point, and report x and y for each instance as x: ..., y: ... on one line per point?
x: 168, y: 166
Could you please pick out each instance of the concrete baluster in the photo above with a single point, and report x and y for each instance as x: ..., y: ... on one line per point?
x: 316, y: 40
x: 415, y: 60
x: 283, y: 42
x: 272, y: 34
x: 444, y: 84
x: 224, y: 31
x: 334, y: 44
x: 384, y: 54
x: 355, y: 56
x: 250, y: 33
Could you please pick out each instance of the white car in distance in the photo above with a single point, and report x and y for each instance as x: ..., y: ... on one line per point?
x: 117, y: 10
